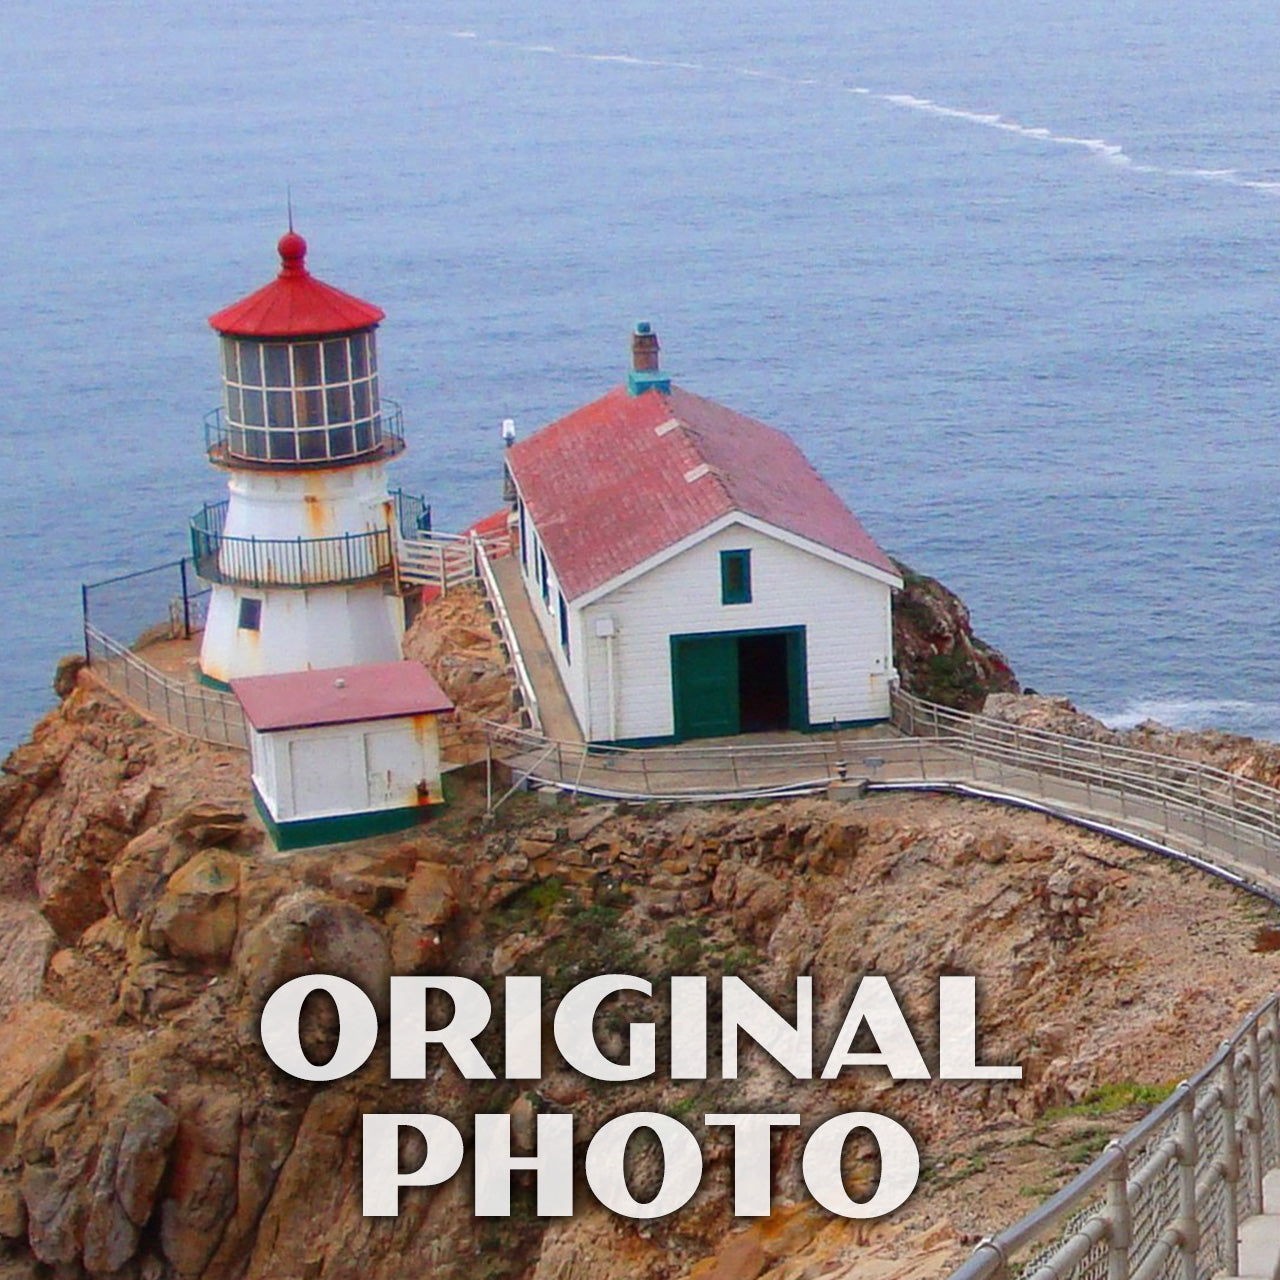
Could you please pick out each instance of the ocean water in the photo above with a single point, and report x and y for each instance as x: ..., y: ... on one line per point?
x: 1007, y: 271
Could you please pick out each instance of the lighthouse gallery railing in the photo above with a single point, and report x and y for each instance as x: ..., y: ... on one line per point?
x: 285, y: 562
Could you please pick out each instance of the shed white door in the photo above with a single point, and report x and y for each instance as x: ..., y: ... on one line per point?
x: 323, y: 782
x: 388, y: 757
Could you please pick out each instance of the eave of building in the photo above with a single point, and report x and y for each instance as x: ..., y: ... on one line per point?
x: 724, y: 522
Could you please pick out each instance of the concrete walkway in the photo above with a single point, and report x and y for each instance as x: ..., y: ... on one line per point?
x: 558, y: 720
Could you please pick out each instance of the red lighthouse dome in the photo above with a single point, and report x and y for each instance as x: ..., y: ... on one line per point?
x: 295, y: 304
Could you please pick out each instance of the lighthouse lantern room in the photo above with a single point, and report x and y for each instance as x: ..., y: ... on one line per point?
x: 302, y: 553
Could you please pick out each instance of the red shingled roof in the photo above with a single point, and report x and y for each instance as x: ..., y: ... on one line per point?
x: 339, y: 695
x: 295, y: 304
x: 607, y: 491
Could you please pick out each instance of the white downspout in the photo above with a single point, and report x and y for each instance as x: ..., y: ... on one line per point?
x: 613, y: 697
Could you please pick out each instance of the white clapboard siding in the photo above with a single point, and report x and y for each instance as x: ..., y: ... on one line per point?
x: 845, y: 613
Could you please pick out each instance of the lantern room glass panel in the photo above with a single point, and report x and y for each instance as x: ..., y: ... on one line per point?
x: 308, y: 401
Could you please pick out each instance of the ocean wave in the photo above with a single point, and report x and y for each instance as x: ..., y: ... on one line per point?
x: 1254, y: 719
x: 1108, y: 152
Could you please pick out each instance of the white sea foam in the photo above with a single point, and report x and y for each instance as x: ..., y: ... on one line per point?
x: 1111, y: 153
x: 1233, y: 715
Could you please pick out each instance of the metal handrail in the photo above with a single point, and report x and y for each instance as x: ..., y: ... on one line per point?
x: 906, y: 708
x: 286, y: 562
x: 1234, y: 1098
x: 221, y: 439
x: 413, y: 513
x: 208, y: 715
x: 507, y: 627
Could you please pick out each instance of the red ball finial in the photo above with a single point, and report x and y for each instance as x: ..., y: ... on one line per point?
x: 293, y: 253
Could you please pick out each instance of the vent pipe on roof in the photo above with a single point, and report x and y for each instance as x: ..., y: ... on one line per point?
x: 645, y: 374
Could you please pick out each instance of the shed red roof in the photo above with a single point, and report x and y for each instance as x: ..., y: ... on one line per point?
x: 339, y: 695
x: 295, y: 304
x: 627, y: 476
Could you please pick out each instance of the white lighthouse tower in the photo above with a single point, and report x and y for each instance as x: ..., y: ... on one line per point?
x: 301, y: 556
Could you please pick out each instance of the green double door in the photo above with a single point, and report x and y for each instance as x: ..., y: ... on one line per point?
x: 729, y: 682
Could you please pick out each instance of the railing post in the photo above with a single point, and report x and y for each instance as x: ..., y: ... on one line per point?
x: 1188, y: 1150
x: 1274, y: 1081
x: 84, y: 622
x: 1119, y: 1216
x: 1229, y: 1161
x: 186, y: 601
x: 1253, y: 1122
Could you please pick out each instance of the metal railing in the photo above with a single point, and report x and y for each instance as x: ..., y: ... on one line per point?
x: 510, y: 642
x: 238, y: 445
x: 443, y: 560
x: 1165, y: 1201
x: 286, y: 562
x: 413, y: 513
x: 692, y: 772
x: 191, y: 709
x: 1235, y: 817
x: 165, y: 598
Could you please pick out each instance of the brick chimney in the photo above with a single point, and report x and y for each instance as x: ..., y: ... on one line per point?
x: 645, y: 374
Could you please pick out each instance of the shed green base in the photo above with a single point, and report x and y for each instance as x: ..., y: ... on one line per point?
x: 211, y: 682
x: 309, y: 832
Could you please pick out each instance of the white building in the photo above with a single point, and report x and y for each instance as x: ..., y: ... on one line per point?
x: 692, y: 573
x: 301, y: 555
x: 344, y: 753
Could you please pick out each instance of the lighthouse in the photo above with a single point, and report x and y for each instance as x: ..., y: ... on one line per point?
x: 301, y: 556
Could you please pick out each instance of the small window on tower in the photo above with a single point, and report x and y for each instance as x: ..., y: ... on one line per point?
x: 735, y: 577
x: 250, y: 614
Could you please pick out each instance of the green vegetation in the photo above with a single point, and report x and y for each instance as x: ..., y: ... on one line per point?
x: 950, y: 678
x: 1107, y: 1099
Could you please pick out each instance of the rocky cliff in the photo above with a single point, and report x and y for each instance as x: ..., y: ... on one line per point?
x: 937, y: 654
x: 1233, y: 753
x: 145, y: 1136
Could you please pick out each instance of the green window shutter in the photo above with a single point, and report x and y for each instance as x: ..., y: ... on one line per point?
x: 735, y: 577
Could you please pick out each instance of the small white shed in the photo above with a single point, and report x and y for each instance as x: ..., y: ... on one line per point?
x: 343, y: 753
x: 692, y: 573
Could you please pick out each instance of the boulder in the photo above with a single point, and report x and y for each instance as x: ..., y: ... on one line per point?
x: 71, y: 893
x: 755, y: 898
x: 200, y: 1195
x: 13, y: 1213
x: 197, y: 916
x: 64, y: 674
x: 430, y: 898
x: 207, y: 824
x: 313, y: 932
x: 138, y: 876
x: 122, y: 1191
x: 16, y: 797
